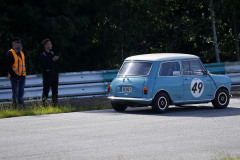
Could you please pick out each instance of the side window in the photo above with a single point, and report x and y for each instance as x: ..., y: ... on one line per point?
x: 192, y: 67
x: 170, y: 69
x: 186, y: 68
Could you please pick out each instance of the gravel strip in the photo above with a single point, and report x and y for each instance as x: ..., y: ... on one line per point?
x: 104, y: 101
x: 87, y: 102
x: 235, y: 92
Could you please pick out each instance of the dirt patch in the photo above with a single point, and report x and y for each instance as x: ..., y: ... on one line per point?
x: 104, y: 101
x: 235, y: 92
x: 87, y: 102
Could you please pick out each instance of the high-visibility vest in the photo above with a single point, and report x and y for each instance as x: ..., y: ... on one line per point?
x: 19, y: 64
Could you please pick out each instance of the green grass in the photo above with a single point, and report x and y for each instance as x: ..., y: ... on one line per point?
x: 7, y: 111
x: 227, y: 157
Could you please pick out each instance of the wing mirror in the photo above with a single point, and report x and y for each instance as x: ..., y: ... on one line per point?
x: 206, y: 72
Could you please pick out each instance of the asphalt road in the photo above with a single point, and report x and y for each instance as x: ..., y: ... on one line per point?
x: 198, y: 132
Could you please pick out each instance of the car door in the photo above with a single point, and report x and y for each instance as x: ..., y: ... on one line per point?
x: 197, y: 85
x: 170, y: 80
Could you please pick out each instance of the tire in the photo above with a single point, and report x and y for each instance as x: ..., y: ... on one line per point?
x: 118, y: 106
x: 160, y: 103
x: 221, y: 99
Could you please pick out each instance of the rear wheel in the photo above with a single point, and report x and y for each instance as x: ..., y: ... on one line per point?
x: 221, y: 99
x: 118, y: 106
x: 160, y: 103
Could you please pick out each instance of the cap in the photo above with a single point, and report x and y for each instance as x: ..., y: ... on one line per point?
x: 16, y: 39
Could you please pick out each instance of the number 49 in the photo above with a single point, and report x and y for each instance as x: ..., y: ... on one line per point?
x: 197, y: 86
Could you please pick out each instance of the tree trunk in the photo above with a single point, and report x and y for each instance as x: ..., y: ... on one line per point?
x: 122, y: 53
x: 214, y: 31
x: 236, y: 37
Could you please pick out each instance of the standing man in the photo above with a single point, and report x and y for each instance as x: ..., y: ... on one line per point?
x: 50, y: 72
x: 16, y: 71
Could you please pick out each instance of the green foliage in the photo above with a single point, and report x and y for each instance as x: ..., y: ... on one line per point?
x: 98, y: 34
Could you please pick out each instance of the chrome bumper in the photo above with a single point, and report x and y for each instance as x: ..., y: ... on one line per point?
x: 131, y: 99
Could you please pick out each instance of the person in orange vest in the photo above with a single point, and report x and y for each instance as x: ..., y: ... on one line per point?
x: 17, y: 72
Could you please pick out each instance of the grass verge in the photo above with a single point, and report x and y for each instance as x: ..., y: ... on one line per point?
x: 6, y: 112
x: 227, y: 157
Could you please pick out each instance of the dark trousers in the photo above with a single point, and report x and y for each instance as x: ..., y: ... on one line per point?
x: 18, y: 84
x: 50, y: 81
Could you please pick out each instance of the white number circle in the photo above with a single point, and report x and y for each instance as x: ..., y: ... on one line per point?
x: 197, y: 87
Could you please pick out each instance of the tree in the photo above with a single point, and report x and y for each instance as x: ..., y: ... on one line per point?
x: 214, y: 31
x: 99, y: 34
x: 235, y: 27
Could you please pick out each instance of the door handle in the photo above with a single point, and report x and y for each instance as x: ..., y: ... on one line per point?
x: 187, y: 78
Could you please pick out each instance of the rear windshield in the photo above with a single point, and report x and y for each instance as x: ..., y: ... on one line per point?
x: 135, y: 69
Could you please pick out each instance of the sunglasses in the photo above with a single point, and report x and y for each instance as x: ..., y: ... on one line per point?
x: 18, y: 42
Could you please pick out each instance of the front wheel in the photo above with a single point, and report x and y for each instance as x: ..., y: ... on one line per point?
x: 221, y: 99
x: 118, y: 106
x: 160, y: 103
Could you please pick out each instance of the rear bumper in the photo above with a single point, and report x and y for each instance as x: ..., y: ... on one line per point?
x: 132, y: 100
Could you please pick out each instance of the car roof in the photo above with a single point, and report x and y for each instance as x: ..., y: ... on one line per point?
x: 160, y: 57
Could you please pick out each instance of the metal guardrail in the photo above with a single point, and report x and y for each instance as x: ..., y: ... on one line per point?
x: 215, y: 68
x: 235, y: 78
x: 231, y: 69
x: 95, y: 82
x: 70, y: 84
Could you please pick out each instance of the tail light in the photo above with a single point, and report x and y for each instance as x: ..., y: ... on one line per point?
x: 108, y: 88
x: 145, y: 90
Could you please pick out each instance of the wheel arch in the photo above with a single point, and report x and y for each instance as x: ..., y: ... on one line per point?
x: 221, y: 87
x: 164, y: 91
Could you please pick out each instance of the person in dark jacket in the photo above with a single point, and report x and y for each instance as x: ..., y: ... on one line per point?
x: 15, y: 60
x: 50, y: 72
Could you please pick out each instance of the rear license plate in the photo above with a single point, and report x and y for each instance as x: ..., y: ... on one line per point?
x: 126, y: 89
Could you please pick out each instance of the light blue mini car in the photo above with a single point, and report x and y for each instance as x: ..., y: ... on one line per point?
x: 164, y: 79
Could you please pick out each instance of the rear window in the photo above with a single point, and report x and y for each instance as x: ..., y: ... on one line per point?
x: 135, y: 69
